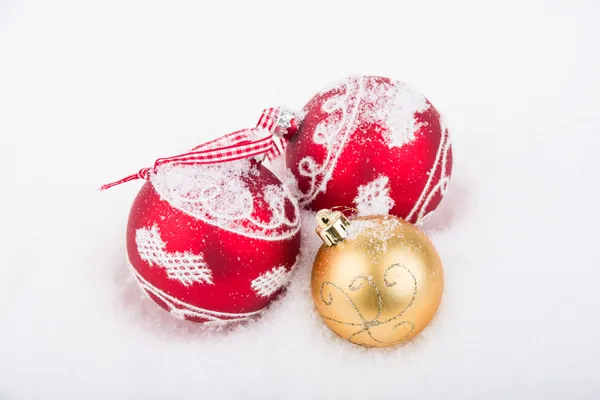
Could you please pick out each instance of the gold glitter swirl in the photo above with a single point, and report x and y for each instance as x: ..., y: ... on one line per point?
x: 367, y: 324
x: 379, y: 286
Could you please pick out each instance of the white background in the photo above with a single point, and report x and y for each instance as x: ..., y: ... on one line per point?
x: 92, y: 91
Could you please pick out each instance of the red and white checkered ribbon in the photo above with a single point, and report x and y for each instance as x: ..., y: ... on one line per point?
x: 283, y: 123
x: 234, y: 146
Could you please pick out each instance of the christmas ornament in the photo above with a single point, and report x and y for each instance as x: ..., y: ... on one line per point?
x: 377, y: 280
x: 372, y: 143
x: 213, y: 235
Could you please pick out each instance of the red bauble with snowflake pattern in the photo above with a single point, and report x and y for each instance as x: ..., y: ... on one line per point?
x: 372, y: 143
x: 213, y: 243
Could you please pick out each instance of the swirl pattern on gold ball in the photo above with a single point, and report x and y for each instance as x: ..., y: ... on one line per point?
x: 367, y: 324
x: 381, y: 285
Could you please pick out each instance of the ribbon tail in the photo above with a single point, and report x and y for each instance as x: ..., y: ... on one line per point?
x: 129, y: 178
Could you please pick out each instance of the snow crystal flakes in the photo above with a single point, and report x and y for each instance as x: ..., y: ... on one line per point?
x: 377, y: 231
x: 373, y: 197
x: 357, y: 227
x: 389, y: 105
x: 393, y: 106
x: 218, y: 190
x: 290, y: 181
x: 219, y: 194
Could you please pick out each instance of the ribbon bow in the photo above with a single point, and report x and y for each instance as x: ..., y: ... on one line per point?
x: 274, y: 123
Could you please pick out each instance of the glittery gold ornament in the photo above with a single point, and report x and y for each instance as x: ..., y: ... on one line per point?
x: 376, y: 281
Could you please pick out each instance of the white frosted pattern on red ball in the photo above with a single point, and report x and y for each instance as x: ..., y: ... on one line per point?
x: 219, y: 194
x: 393, y: 106
x: 225, y: 237
x: 374, y: 197
x: 186, y: 267
x: 270, y: 282
x: 360, y: 130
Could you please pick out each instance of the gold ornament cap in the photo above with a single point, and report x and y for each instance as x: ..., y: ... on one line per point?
x: 332, y: 226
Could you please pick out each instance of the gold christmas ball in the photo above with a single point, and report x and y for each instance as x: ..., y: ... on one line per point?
x: 377, y: 281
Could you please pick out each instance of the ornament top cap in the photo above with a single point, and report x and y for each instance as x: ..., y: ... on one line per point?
x: 332, y: 226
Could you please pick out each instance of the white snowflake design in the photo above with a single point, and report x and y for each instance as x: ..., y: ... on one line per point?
x: 373, y: 197
x: 186, y: 267
x: 270, y: 282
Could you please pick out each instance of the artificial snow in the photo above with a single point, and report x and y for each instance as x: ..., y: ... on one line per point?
x: 393, y: 106
x: 374, y: 197
x: 93, y: 91
x: 220, y: 195
x: 390, y: 105
x: 377, y: 231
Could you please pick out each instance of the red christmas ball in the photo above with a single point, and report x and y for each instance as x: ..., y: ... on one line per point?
x: 372, y: 143
x: 213, y: 243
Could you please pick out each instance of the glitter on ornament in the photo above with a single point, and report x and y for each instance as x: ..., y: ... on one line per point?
x: 393, y: 107
x: 219, y: 194
x: 361, y: 129
x: 222, y: 227
x: 380, y: 283
x: 237, y: 216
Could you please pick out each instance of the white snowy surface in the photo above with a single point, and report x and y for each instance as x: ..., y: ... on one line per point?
x: 93, y: 91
